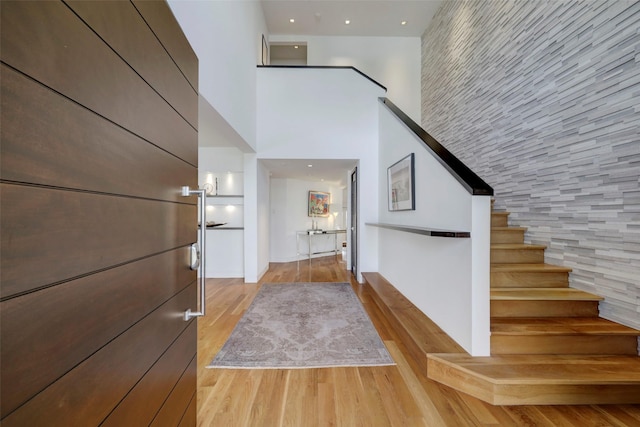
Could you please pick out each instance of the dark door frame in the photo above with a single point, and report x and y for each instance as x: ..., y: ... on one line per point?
x: 354, y: 222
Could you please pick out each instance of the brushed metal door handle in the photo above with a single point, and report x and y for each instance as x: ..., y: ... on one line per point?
x: 197, y: 254
x: 194, y: 256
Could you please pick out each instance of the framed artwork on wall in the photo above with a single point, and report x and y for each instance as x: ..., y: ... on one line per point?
x: 319, y: 203
x: 401, y: 185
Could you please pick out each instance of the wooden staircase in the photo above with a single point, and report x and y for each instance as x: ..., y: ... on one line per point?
x: 548, y: 345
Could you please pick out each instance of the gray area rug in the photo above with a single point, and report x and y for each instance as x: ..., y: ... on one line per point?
x: 303, y: 325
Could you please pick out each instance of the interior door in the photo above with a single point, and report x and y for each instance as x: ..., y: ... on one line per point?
x: 354, y: 222
x: 98, y: 135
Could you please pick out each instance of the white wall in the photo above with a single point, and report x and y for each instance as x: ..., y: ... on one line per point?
x: 215, y: 131
x: 289, y: 214
x: 225, y: 253
x: 251, y: 236
x: 279, y: 227
x: 264, y: 219
x: 256, y: 219
x: 316, y: 113
x: 394, y: 62
x: 227, y: 38
x: 446, y: 278
x: 220, y: 159
x: 324, y: 114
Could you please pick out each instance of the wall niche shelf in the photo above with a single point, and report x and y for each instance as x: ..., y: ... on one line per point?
x: 433, y: 232
x: 220, y: 174
x: 225, y: 228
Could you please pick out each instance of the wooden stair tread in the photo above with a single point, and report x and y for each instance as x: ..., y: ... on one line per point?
x: 495, y: 228
x: 498, y: 213
x: 542, y: 294
x: 559, y: 326
x: 499, y: 268
x: 547, y: 369
x: 508, y: 229
x: 517, y: 246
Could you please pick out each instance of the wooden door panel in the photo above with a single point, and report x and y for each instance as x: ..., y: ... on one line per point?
x: 173, y: 409
x: 120, y: 25
x: 94, y: 232
x: 166, y: 28
x: 91, y: 231
x: 84, y: 314
x: 190, y: 415
x: 50, y: 140
x: 157, y: 385
x: 63, y: 53
x: 89, y: 392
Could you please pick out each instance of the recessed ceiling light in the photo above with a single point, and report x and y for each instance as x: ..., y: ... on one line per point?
x: 347, y: 22
x: 292, y: 20
x: 309, y: 166
x: 295, y: 47
x: 403, y: 23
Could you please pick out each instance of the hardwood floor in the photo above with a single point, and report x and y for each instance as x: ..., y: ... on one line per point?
x: 400, y: 395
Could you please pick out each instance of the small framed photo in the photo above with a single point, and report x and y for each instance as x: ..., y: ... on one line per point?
x: 319, y: 203
x: 401, y: 185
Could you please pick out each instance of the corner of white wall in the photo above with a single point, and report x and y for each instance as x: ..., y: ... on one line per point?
x: 480, y: 275
x: 251, y: 218
x: 228, y: 55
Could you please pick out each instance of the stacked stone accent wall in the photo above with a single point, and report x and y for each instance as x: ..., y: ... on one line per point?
x: 542, y: 100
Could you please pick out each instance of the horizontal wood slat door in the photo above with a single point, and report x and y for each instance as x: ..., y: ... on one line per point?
x: 98, y: 136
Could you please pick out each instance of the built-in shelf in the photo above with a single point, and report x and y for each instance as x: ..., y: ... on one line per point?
x: 422, y: 230
x: 225, y: 228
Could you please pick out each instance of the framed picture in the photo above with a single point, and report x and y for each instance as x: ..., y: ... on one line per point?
x: 319, y: 203
x: 400, y: 183
x: 265, y: 51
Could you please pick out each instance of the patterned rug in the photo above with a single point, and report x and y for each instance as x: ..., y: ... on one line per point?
x: 303, y: 325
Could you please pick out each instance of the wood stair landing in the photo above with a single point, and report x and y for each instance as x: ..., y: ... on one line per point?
x: 536, y: 380
x: 548, y: 344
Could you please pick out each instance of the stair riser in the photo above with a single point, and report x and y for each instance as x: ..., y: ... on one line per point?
x: 499, y: 220
x: 511, y: 236
x: 524, y: 279
x: 544, y: 308
x: 564, y: 344
x: 516, y: 256
x: 567, y: 394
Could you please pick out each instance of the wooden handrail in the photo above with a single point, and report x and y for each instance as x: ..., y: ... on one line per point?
x: 465, y: 176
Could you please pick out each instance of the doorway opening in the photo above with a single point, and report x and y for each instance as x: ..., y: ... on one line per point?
x: 290, y: 53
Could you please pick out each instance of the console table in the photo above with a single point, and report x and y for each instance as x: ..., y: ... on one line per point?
x: 314, y: 233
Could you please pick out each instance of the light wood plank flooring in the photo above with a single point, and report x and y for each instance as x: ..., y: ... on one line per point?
x: 400, y: 395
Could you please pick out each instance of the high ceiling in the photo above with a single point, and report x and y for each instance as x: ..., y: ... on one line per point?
x: 366, y: 17
x: 330, y: 171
